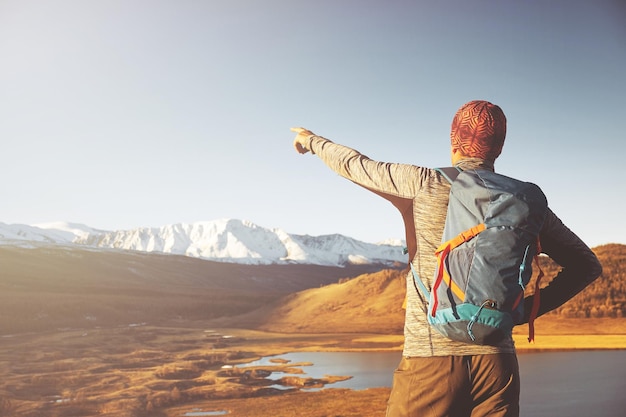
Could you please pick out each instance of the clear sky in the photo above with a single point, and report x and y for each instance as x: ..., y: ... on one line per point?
x: 127, y: 113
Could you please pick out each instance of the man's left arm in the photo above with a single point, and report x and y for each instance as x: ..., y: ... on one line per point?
x: 580, y: 266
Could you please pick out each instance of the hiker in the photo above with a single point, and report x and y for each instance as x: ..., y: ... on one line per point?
x: 437, y: 376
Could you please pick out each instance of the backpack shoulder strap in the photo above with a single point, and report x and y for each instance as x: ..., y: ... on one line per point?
x: 419, y: 282
x: 449, y: 173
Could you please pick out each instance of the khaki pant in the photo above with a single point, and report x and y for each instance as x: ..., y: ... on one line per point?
x: 456, y: 386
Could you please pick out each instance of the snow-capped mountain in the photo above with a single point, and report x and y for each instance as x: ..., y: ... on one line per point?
x: 226, y: 240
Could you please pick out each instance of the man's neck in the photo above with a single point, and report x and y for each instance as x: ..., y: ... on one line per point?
x: 474, y: 163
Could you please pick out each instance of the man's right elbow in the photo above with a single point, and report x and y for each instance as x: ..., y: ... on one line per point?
x: 595, y: 271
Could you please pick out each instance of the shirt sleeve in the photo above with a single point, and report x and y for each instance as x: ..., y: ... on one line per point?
x: 397, y: 183
x: 579, y: 265
x: 390, y: 180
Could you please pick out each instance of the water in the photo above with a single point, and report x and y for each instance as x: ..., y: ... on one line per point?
x: 368, y: 369
x: 554, y: 384
x: 573, y: 384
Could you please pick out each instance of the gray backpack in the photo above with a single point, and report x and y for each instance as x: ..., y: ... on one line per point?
x: 484, y: 263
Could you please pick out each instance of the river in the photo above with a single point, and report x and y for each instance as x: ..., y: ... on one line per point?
x: 554, y: 384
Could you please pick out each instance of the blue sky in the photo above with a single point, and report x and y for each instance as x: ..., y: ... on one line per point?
x: 120, y: 114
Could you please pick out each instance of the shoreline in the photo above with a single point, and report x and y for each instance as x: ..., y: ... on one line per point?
x: 269, y: 344
x: 564, y: 343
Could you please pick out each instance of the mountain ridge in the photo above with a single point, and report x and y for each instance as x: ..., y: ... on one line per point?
x: 223, y: 240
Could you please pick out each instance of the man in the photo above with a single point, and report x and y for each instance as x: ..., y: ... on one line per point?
x: 438, y: 377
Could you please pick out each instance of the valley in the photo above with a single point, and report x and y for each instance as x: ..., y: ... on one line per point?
x: 119, y: 333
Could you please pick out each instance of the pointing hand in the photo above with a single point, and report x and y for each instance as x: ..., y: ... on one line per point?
x: 301, y: 142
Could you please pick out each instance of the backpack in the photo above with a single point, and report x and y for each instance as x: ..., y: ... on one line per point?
x: 490, y: 238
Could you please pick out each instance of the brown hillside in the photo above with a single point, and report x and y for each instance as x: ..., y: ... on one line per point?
x: 372, y: 302
x: 47, y: 288
x: 606, y: 297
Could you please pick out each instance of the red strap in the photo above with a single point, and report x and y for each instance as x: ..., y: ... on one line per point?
x: 536, y: 298
x: 442, y: 253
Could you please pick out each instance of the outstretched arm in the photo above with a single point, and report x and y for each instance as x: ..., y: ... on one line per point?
x: 397, y: 183
x: 389, y: 180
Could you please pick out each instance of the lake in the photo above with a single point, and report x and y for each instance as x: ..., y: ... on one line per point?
x: 569, y: 384
x: 573, y: 384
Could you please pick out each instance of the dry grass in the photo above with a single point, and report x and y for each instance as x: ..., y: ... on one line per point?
x: 369, y: 303
x: 571, y: 342
x: 145, y: 370
x: 167, y: 371
x: 327, y: 403
x: 553, y: 333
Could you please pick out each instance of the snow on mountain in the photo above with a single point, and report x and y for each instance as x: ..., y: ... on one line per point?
x: 25, y: 235
x: 225, y: 240
x: 67, y: 231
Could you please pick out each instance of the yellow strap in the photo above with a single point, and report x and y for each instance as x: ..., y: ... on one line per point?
x: 462, y: 237
x: 452, y: 285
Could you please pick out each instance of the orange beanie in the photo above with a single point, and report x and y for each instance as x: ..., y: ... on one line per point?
x: 478, y: 130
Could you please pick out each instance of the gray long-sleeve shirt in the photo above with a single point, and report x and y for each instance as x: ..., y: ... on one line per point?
x: 421, y: 196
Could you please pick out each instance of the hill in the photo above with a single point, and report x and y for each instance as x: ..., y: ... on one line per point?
x: 606, y: 297
x: 371, y: 302
x: 51, y: 287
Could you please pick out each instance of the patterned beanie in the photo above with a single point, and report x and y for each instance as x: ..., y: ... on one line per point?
x: 478, y: 130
